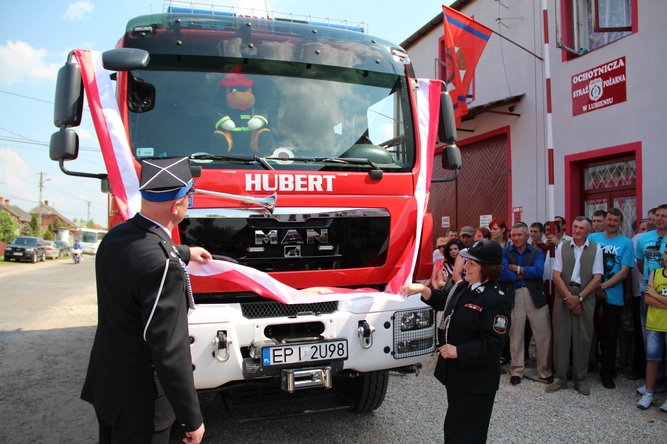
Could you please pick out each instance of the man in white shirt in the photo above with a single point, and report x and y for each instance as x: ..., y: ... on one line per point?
x: 577, y: 272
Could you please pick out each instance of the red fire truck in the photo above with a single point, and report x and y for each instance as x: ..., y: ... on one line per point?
x: 311, y: 145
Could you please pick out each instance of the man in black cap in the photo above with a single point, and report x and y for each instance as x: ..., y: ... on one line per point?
x: 476, y: 323
x: 140, y: 372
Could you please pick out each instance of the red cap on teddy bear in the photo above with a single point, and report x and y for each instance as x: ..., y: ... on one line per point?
x: 235, y: 78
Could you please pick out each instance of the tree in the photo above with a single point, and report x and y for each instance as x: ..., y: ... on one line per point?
x: 8, y: 227
x: 48, y: 233
x: 34, y: 226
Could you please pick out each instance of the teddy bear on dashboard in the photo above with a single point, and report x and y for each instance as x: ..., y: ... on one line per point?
x: 239, y: 129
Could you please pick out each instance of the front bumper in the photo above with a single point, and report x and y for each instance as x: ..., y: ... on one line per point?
x: 225, y: 344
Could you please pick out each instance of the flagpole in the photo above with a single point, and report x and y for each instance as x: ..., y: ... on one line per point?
x: 549, y: 122
x: 516, y: 44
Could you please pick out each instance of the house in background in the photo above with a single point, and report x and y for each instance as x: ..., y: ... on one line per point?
x: 48, y: 216
x: 605, y: 59
x: 22, y: 217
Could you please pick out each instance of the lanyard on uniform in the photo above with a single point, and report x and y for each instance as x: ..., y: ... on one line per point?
x: 444, y: 325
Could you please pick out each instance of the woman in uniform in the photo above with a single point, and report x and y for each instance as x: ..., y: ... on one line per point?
x: 476, y: 318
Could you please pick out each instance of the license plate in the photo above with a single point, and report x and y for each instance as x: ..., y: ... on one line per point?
x: 18, y: 254
x: 299, y: 353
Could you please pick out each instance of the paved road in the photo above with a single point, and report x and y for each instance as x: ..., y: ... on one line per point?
x: 46, y: 330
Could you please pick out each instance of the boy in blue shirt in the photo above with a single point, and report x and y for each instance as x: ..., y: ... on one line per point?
x: 618, y: 260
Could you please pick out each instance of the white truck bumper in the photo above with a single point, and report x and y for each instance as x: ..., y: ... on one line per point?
x: 380, y: 333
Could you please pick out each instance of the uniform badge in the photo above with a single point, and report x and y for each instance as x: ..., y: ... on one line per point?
x: 500, y: 324
x: 474, y: 307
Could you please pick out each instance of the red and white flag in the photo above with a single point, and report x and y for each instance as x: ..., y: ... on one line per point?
x: 428, y: 106
x: 123, y: 178
x: 264, y: 285
x: 121, y: 166
x: 464, y: 41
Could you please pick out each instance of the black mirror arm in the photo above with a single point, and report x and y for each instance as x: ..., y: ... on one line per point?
x: 447, y: 179
x: 79, y: 174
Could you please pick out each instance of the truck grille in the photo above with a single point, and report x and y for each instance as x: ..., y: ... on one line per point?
x: 321, y: 239
x: 255, y: 310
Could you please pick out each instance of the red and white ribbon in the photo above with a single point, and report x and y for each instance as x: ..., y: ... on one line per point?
x: 264, y: 285
x: 111, y: 133
x: 427, y: 107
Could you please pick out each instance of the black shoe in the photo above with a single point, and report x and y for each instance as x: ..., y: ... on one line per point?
x: 548, y: 380
x: 608, y: 383
x: 515, y: 380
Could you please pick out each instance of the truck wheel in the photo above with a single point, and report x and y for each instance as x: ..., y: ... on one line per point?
x: 366, y: 392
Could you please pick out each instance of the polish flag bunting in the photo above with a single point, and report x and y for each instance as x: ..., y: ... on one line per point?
x: 123, y: 178
x: 264, y: 285
x: 121, y: 166
x: 428, y: 106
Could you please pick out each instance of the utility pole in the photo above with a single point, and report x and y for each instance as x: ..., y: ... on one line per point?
x: 88, y: 213
x: 42, y: 180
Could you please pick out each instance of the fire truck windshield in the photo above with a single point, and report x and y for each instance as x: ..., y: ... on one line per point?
x: 288, y: 119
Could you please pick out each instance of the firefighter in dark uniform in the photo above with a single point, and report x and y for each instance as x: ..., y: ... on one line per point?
x: 139, y: 376
x: 476, y: 323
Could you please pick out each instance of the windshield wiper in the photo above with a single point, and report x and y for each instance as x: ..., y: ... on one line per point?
x: 243, y: 159
x: 338, y: 160
x: 376, y: 172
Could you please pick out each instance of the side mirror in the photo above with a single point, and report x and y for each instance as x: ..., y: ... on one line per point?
x: 447, y: 123
x: 64, y: 145
x: 451, y: 157
x: 125, y: 59
x: 451, y: 154
x: 69, y: 96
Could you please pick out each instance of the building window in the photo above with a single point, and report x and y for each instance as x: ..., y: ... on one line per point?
x: 610, y: 175
x: 611, y: 185
x: 585, y: 25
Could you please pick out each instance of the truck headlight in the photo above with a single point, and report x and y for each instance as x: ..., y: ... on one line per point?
x: 414, y: 332
x: 416, y: 319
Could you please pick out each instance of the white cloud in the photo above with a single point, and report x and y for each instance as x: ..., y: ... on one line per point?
x: 14, y: 175
x: 78, y: 10
x: 22, y: 62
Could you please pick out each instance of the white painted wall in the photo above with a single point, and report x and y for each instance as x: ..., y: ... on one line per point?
x: 505, y: 70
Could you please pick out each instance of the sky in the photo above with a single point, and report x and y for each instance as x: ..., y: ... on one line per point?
x: 35, y: 39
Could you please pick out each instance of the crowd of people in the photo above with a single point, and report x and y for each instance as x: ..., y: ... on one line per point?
x: 592, y: 301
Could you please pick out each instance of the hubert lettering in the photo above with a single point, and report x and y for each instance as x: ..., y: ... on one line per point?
x: 289, y: 182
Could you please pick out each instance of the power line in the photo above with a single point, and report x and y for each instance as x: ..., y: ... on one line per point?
x: 26, y: 97
x: 46, y: 144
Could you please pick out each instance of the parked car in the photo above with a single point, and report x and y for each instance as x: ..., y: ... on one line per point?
x: 26, y: 248
x: 51, y: 250
x: 64, y: 247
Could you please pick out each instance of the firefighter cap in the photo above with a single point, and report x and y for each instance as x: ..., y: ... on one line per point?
x: 484, y: 251
x: 165, y: 179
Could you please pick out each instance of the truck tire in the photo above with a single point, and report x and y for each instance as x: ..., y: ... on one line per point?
x: 365, y: 392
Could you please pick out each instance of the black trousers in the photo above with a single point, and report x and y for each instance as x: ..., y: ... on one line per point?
x: 639, y: 356
x: 468, y: 417
x: 109, y: 435
x: 612, y: 315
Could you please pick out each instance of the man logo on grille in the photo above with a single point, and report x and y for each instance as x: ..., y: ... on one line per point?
x: 292, y: 251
